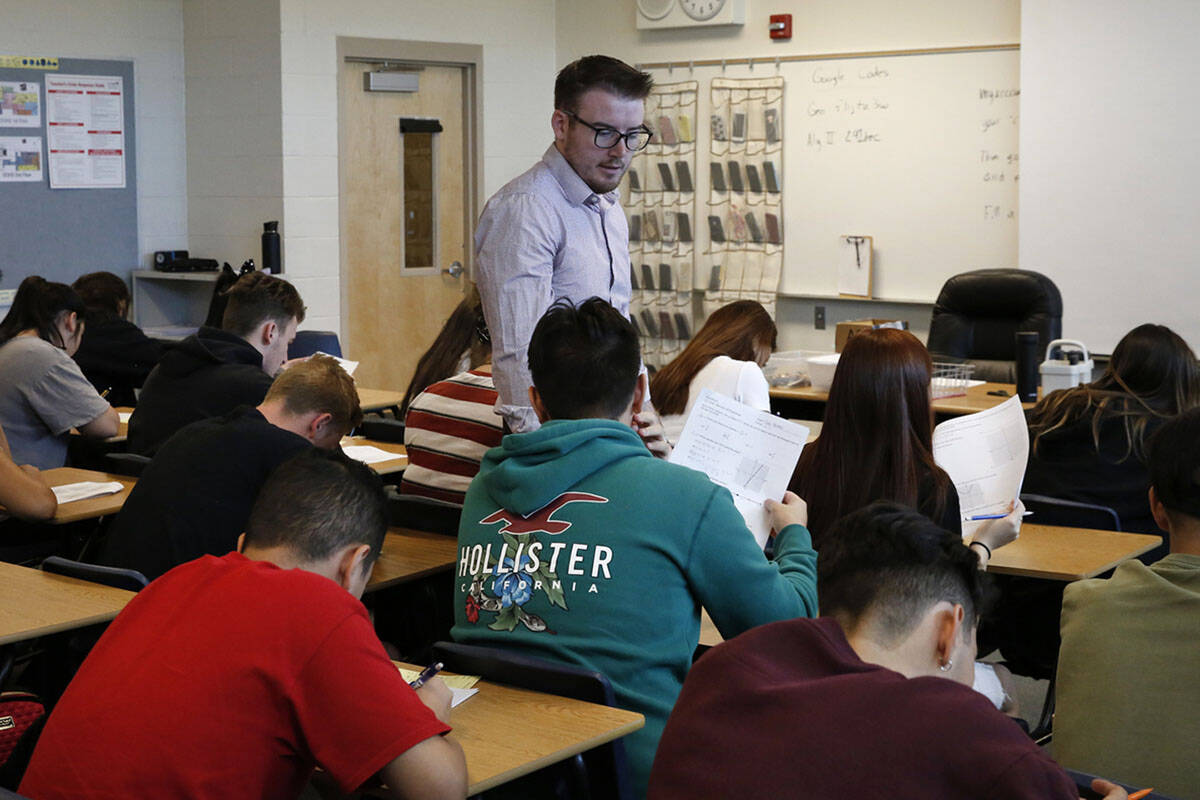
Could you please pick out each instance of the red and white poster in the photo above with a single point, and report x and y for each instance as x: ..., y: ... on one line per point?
x: 85, y: 131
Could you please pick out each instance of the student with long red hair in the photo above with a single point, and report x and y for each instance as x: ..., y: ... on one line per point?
x: 726, y: 355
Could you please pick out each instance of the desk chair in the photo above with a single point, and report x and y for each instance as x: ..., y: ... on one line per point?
x: 1070, y: 514
x: 423, y: 513
x: 117, y: 577
x: 382, y: 429
x: 308, y: 342
x: 598, y: 774
x: 130, y: 464
x: 978, y: 314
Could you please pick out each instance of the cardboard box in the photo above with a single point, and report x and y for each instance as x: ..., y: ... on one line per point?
x: 848, y: 328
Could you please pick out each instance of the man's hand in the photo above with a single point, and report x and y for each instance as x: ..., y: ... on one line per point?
x: 436, y: 694
x: 1109, y: 789
x: 649, y: 426
x: 792, y: 511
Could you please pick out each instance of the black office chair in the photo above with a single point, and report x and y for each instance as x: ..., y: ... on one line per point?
x: 422, y: 513
x: 118, y: 577
x: 308, y: 342
x: 598, y: 774
x: 130, y: 464
x: 1070, y: 514
x: 978, y: 314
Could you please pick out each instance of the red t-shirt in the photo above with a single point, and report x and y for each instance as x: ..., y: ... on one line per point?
x: 789, y: 710
x: 229, y: 678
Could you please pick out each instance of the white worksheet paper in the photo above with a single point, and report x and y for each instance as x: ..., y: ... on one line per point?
x: 344, y: 363
x: 70, y: 492
x: 368, y: 454
x: 749, y: 452
x: 985, y: 455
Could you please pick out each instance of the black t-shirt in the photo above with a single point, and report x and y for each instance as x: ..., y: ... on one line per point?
x: 117, y: 356
x: 195, y: 496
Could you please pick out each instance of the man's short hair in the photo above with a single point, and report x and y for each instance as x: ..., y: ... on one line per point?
x: 318, y: 385
x: 257, y: 298
x: 892, y: 563
x: 1174, y: 458
x: 584, y: 360
x: 317, y: 503
x: 599, y: 72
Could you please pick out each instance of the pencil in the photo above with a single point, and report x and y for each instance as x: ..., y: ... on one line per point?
x: 1140, y: 794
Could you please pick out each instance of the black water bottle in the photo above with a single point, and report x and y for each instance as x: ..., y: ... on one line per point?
x: 1027, y: 366
x: 270, y: 247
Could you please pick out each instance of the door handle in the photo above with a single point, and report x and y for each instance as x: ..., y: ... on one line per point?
x: 454, y: 270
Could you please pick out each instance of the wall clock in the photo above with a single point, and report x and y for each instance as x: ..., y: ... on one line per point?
x: 689, y: 13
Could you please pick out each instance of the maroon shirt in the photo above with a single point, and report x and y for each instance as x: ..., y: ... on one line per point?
x: 789, y: 710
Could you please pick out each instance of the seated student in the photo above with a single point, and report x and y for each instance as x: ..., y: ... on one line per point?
x: 23, y: 493
x: 727, y: 356
x: 115, y: 355
x: 196, y: 495
x: 871, y: 700
x: 1128, y: 702
x: 232, y: 677
x: 1087, y: 443
x: 451, y: 422
x: 877, y: 441
x: 215, y: 371
x: 43, y: 395
x: 578, y: 546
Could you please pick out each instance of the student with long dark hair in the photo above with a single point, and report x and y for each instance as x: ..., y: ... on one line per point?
x: 43, y: 394
x: 114, y: 355
x: 877, y: 442
x: 1088, y: 443
x: 462, y: 344
x: 726, y: 355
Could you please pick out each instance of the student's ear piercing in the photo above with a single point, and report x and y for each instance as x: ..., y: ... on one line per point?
x: 947, y: 666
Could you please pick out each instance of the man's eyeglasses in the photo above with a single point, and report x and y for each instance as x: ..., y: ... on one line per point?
x: 607, y: 137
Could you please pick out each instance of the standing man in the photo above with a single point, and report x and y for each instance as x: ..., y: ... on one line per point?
x: 557, y: 231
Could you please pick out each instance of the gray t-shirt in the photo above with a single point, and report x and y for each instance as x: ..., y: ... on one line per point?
x: 42, y: 396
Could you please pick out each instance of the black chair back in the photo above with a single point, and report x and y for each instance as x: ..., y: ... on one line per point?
x: 308, y: 342
x: 978, y: 314
x: 130, y: 464
x: 603, y: 769
x: 118, y: 577
x: 383, y: 429
x: 423, y: 513
x: 1070, y: 514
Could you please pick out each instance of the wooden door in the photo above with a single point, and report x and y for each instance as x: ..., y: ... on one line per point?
x: 395, y: 252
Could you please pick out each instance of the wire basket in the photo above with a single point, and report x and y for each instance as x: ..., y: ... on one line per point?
x: 950, y: 380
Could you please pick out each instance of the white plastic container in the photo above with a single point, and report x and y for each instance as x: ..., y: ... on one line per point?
x: 821, y: 369
x: 1065, y: 372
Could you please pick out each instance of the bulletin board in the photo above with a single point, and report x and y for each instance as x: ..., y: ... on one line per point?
x: 63, y: 233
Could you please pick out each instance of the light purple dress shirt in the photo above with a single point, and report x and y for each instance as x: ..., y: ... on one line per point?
x: 544, y: 236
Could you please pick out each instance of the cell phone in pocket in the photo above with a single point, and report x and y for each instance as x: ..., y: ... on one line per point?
x: 647, y: 277
x: 769, y: 177
x: 739, y: 127
x: 685, y: 128
x: 735, y: 177
x: 635, y: 180
x: 714, y: 278
x: 737, y: 227
x: 681, y: 326
x: 685, y: 226
x: 668, y: 179
x: 666, y: 131
x: 752, y: 225
x: 715, y: 231
x: 650, y: 323
x: 664, y: 325
x: 684, y: 173
x: 650, y: 226
x: 666, y: 281
x: 773, y: 235
x: 633, y: 281
x: 717, y: 176
x: 771, y: 124
x: 635, y: 228
x: 668, y: 226
x: 752, y: 178
x: 718, y: 128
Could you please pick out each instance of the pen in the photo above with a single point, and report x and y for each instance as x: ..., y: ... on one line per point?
x: 1139, y: 795
x: 426, y: 674
x: 993, y: 516
x: 998, y: 393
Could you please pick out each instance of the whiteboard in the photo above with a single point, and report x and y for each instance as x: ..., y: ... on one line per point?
x: 918, y: 151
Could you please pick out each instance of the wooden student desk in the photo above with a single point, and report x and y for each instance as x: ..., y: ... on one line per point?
x: 551, y: 728
x: 976, y: 398
x: 380, y: 400
x: 93, y: 507
x: 408, y: 555
x: 35, y: 603
x: 1058, y: 553
x: 397, y: 464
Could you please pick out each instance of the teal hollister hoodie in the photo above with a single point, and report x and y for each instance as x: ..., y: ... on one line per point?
x: 576, y: 545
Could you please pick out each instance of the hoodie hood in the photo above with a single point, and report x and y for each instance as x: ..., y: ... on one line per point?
x: 528, y: 470
x: 207, y: 347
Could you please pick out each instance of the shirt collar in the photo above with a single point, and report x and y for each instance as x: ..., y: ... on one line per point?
x: 577, y: 192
